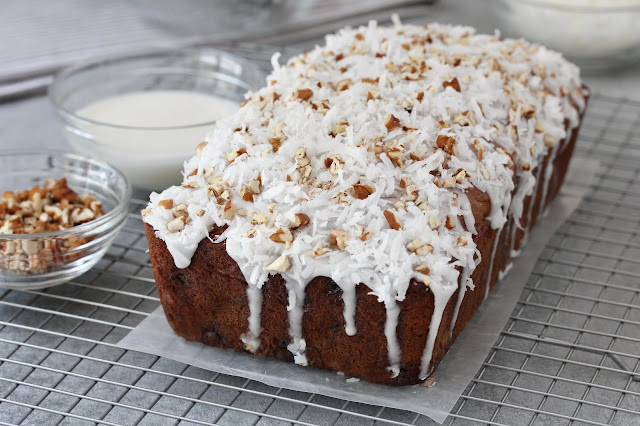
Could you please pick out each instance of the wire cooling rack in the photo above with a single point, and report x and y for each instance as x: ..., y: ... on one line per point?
x: 569, y: 354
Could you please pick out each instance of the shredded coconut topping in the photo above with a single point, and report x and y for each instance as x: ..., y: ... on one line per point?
x: 355, y: 161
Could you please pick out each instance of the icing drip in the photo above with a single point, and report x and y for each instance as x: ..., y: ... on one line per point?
x: 547, y: 176
x: 251, y: 339
x: 441, y: 295
x: 492, y: 263
x: 295, y: 309
x: 532, y: 203
x: 514, y: 233
x: 349, y: 299
x: 463, y: 290
x: 505, y: 271
x: 393, y: 311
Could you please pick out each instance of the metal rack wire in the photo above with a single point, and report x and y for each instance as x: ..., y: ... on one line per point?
x: 570, y: 353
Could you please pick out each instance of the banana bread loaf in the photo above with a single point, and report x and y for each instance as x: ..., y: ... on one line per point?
x: 356, y: 211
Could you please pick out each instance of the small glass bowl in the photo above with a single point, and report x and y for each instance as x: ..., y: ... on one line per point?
x: 151, y: 157
x: 598, y: 35
x: 32, y: 261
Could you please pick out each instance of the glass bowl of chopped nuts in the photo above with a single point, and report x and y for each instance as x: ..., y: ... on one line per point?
x: 59, y: 213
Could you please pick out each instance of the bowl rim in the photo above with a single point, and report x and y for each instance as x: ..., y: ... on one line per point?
x: 120, y: 210
x: 55, y: 95
x: 628, y: 5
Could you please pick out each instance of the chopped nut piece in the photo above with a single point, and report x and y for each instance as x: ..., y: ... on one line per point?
x: 191, y: 184
x: 450, y: 182
x: 361, y: 192
x: 453, y: 83
x: 231, y: 156
x: 278, y: 130
x: 200, y: 212
x: 485, y: 173
x: 411, y: 192
x: 304, y: 94
x: 549, y: 140
x: 396, y: 157
x: 450, y: 223
x: 176, y: 224
x: 466, y: 118
x: 320, y: 251
x: 460, y: 176
x: 167, y: 204
x: 462, y: 241
x: 391, y: 122
x: 527, y: 110
x: 430, y: 382
x: 391, y: 220
x: 365, y: 236
x: 275, y: 143
x: 343, y: 85
x: 259, y: 219
x: 246, y: 194
x: 420, y: 248
x: 339, y: 238
x: 282, y: 235
x: 300, y: 220
x: 301, y: 157
x: 228, y: 210
x: 180, y: 210
x: 399, y: 205
x: 447, y: 144
x: 281, y: 264
x: 333, y: 163
x: 373, y: 93
x: 339, y: 128
x: 254, y: 186
x: 434, y: 222
x: 540, y: 70
x: 200, y: 147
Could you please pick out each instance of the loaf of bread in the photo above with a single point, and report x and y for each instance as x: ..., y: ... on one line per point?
x: 355, y: 212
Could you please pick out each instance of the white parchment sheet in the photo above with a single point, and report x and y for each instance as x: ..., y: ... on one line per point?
x: 455, y: 372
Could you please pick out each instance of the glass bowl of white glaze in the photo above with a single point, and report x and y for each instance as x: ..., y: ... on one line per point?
x: 146, y: 113
x: 598, y: 35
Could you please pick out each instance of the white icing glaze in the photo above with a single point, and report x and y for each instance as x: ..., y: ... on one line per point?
x: 463, y: 290
x: 505, y: 271
x: 393, y: 311
x: 439, y: 105
x: 252, y: 338
x: 492, y: 261
x: 548, y: 172
x: 441, y: 296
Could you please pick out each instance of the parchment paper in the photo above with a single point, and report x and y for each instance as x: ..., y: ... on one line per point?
x: 455, y: 372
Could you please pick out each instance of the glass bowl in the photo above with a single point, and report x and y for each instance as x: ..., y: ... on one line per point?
x: 598, y: 35
x: 151, y: 155
x: 31, y: 261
